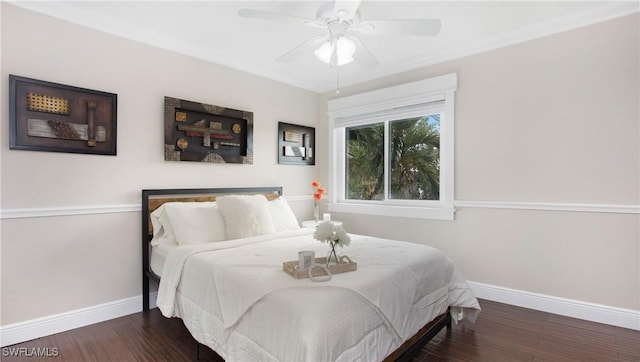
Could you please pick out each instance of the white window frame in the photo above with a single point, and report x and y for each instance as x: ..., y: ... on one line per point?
x: 433, y: 95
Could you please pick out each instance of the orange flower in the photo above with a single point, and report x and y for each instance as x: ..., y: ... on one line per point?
x: 317, y: 197
x: 320, y: 191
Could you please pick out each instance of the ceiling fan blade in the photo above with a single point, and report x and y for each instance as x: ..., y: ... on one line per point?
x: 421, y: 27
x: 270, y: 16
x: 306, y: 46
x: 363, y: 55
x: 349, y: 6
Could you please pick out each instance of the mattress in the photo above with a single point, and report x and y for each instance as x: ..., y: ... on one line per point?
x: 234, y: 297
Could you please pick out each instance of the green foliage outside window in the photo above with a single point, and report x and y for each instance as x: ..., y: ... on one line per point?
x: 414, y: 160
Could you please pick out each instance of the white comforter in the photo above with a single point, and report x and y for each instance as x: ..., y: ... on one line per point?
x: 235, y: 297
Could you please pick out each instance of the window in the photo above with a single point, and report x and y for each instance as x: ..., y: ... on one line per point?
x: 392, y: 150
x: 413, y: 160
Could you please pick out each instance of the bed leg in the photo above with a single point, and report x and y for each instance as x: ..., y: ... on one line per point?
x: 145, y: 293
x: 197, y: 351
x: 442, y: 322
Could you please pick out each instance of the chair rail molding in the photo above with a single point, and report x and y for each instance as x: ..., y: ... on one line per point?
x: 545, y: 206
x: 67, y: 211
x: 95, y: 209
x: 549, y: 206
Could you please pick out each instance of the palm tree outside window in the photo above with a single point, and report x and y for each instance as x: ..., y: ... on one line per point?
x: 414, y: 160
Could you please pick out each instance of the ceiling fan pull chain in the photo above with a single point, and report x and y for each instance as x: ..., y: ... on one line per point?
x: 337, y: 80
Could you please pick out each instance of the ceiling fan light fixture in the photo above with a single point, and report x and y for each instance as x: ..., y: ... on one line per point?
x: 344, y: 48
x: 324, y: 52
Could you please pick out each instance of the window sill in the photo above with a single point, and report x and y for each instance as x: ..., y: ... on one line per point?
x: 414, y: 212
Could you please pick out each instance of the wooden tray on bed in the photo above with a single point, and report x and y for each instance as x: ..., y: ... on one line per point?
x: 291, y: 267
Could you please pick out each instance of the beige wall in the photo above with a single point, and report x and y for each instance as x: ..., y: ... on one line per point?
x: 57, y: 264
x: 554, y: 121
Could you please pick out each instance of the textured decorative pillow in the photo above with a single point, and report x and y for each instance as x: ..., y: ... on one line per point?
x: 282, y: 216
x: 195, y: 222
x: 245, y: 215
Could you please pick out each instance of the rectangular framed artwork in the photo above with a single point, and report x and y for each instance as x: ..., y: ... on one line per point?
x: 296, y: 144
x: 45, y: 116
x: 202, y: 132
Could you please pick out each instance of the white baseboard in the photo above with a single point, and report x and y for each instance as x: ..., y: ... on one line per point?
x: 620, y: 317
x: 45, y: 326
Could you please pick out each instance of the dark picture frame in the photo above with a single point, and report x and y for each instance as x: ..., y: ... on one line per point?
x: 296, y: 144
x: 203, y: 132
x: 53, y: 117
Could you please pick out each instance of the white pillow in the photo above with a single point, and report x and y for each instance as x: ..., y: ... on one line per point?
x: 162, y: 231
x: 161, y: 240
x: 245, y: 215
x: 195, y: 222
x: 282, y: 216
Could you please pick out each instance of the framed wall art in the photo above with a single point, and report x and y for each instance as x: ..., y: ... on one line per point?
x: 296, y: 144
x: 206, y: 133
x: 54, y: 117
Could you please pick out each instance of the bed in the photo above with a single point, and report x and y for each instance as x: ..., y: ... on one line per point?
x: 218, y: 255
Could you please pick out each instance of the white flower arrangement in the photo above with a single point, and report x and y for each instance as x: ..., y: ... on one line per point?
x: 328, y: 232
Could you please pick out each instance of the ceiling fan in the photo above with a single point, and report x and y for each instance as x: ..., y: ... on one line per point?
x: 342, y: 19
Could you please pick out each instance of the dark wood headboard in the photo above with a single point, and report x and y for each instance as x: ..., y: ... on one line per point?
x: 154, y: 198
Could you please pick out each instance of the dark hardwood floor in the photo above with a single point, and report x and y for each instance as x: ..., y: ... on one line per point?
x: 501, y: 333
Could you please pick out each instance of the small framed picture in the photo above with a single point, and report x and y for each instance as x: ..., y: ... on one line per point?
x: 296, y: 144
x: 45, y: 116
x: 305, y: 260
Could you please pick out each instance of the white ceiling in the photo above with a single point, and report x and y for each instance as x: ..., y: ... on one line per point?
x: 212, y: 30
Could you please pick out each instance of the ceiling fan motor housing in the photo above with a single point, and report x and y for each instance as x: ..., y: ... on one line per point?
x: 328, y: 16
